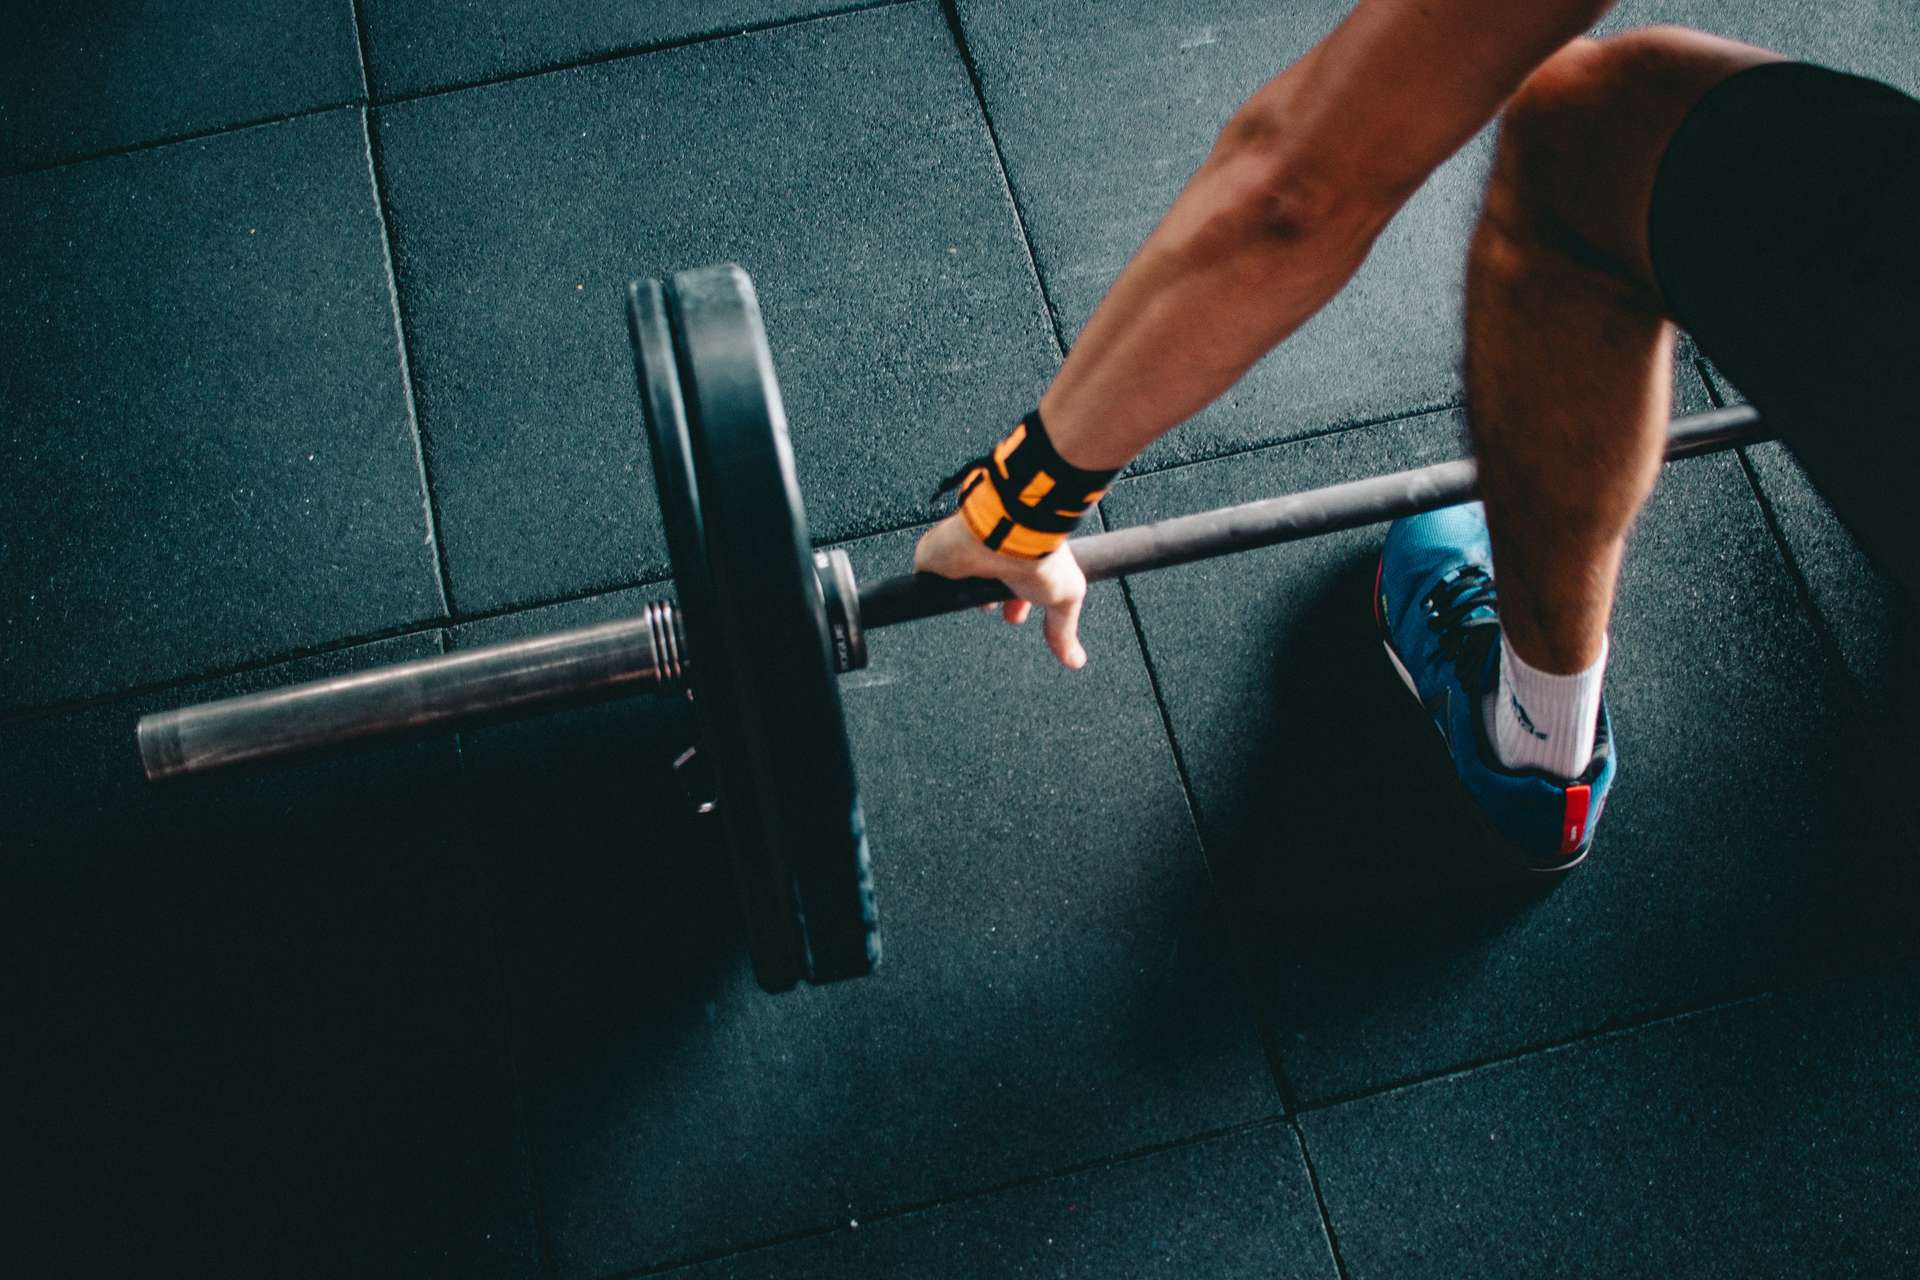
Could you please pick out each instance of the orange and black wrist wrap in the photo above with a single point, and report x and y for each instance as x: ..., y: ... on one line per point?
x: 1023, y: 498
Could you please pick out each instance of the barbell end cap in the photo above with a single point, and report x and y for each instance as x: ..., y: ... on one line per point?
x: 161, y: 754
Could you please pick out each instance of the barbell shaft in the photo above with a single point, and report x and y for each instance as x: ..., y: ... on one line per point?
x: 618, y: 657
x: 1264, y: 523
x: 455, y: 688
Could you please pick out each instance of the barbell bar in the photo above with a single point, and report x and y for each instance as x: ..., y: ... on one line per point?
x: 1266, y: 522
x: 762, y: 626
x: 648, y: 653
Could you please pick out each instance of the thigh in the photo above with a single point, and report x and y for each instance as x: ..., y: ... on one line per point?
x: 1781, y: 235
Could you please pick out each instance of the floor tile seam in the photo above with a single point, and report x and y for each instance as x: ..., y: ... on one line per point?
x: 1825, y: 637
x: 1263, y: 1031
x: 360, y: 43
x: 448, y: 622
x: 860, y: 532
x: 28, y: 713
x: 1319, y: 1199
x: 403, y: 343
x: 1659, y: 1017
x: 1803, y: 589
x: 1129, y: 1156
x: 175, y: 139
x: 641, y: 50
x: 1405, y: 414
x: 1762, y: 994
x: 504, y: 976
x: 599, y: 591
x: 956, y: 29
x: 455, y: 618
x: 508, y: 1044
x: 1854, y: 699
x: 363, y: 43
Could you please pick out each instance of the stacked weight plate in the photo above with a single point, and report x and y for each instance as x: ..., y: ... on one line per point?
x: 763, y: 684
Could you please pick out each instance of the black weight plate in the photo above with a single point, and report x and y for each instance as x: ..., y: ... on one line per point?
x: 768, y: 597
x: 761, y: 876
x: 782, y: 735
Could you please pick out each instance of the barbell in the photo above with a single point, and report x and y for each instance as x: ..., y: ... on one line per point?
x: 762, y: 626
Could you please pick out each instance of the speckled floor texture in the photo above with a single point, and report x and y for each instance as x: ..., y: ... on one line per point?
x: 312, y: 358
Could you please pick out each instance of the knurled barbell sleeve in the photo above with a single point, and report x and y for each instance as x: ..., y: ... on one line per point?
x: 455, y: 688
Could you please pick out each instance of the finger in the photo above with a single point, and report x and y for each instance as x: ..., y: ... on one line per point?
x: 1063, y: 633
x: 1016, y: 611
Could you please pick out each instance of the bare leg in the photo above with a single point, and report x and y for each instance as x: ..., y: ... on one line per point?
x: 1569, y: 353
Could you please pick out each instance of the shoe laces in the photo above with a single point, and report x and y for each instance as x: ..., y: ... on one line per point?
x: 1462, y: 610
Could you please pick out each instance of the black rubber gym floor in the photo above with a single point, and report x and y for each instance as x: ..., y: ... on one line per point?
x: 314, y: 359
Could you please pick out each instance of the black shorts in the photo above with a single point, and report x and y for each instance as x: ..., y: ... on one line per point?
x: 1783, y: 232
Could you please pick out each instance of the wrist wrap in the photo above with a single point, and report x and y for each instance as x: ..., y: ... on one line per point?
x: 1022, y: 498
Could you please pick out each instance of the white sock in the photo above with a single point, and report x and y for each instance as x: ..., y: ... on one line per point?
x: 1538, y: 720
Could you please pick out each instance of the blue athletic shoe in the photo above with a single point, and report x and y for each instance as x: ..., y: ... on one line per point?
x: 1434, y: 602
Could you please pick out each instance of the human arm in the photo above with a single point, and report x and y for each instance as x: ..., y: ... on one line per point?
x: 1271, y: 226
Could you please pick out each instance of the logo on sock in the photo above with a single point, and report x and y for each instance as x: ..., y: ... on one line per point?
x: 1526, y: 721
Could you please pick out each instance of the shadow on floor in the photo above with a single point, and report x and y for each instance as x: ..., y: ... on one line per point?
x: 252, y: 1016
x: 1353, y: 862
x: 1867, y: 899
x: 619, y: 911
x: 1357, y: 845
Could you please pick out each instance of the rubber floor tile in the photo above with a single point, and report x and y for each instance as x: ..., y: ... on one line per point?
x: 420, y: 45
x: 1774, y: 1138
x: 1052, y: 992
x: 843, y: 162
x: 204, y: 409
x: 1740, y: 845
x: 1233, y: 1207
x: 76, y: 79
x: 252, y: 1021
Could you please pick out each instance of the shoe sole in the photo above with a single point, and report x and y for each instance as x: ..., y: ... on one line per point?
x: 1510, y: 860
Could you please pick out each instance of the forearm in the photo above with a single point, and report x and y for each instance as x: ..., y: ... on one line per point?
x: 1218, y: 284
x: 1284, y: 209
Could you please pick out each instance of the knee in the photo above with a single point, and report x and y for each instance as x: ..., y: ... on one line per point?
x: 1581, y: 140
x: 1624, y: 87
x: 1564, y: 123
x: 1565, y: 98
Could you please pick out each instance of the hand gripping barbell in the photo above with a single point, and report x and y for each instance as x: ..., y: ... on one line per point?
x: 762, y: 626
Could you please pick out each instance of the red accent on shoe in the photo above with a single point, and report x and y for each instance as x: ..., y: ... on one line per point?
x: 1573, y: 826
x: 1379, y: 569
